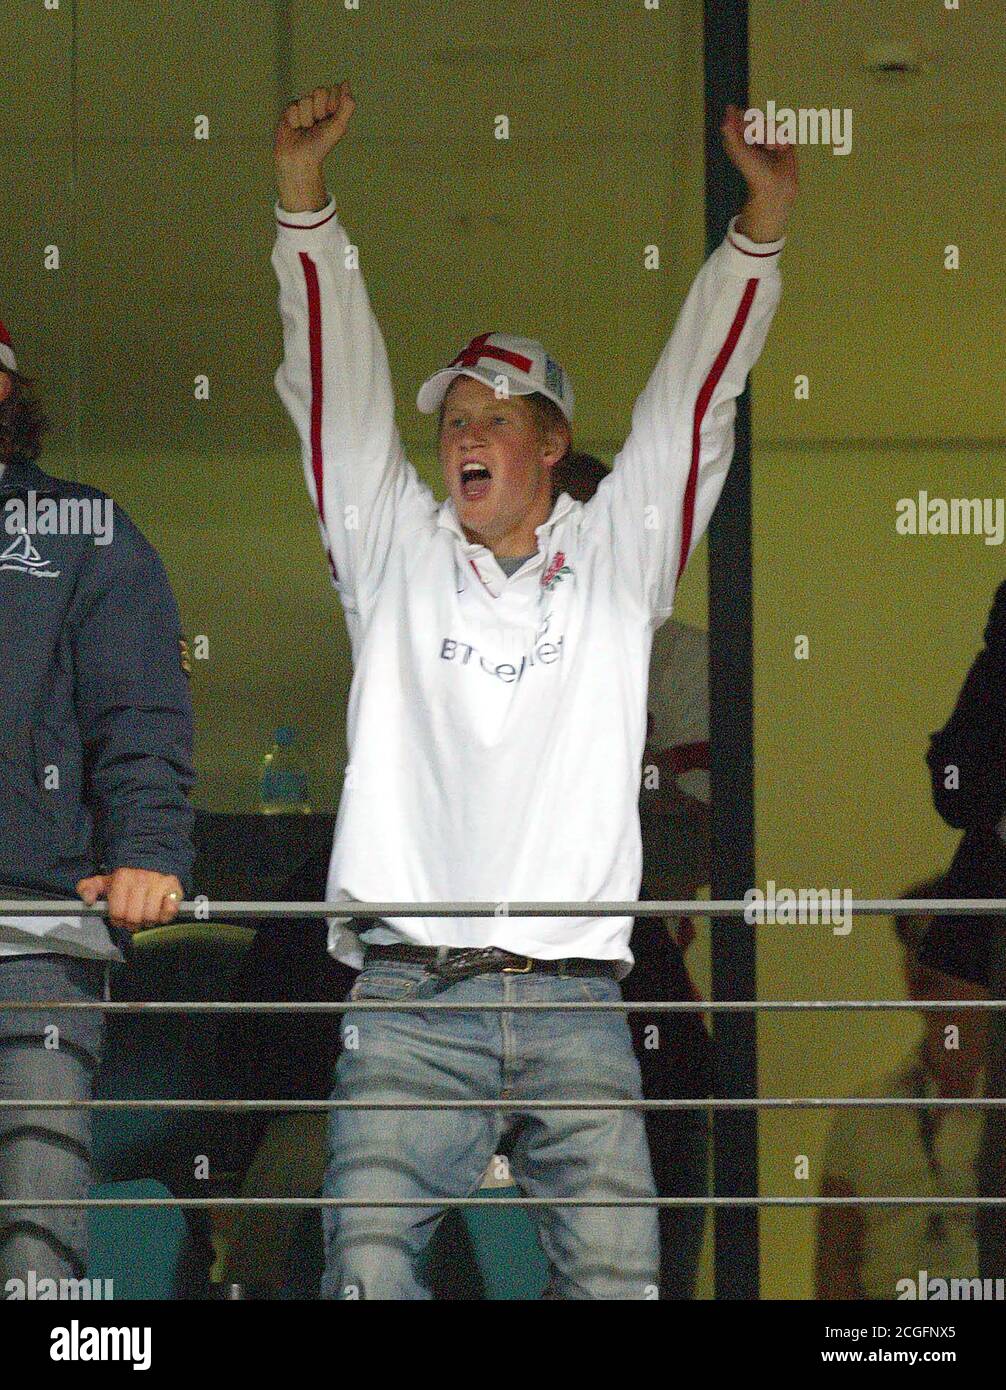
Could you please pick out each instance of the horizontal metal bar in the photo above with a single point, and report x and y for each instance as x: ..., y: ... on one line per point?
x: 516, y: 1103
x: 207, y: 910
x: 203, y: 1006
x: 85, y: 1203
x: 896, y: 444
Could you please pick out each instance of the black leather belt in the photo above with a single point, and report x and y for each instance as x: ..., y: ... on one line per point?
x: 457, y: 962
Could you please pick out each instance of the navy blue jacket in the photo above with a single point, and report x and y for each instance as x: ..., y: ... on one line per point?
x: 96, y: 727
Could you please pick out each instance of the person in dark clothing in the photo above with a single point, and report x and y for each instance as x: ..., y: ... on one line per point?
x: 95, y: 770
x: 967, y: 763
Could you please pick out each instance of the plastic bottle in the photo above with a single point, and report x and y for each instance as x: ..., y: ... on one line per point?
x: 283, y: 778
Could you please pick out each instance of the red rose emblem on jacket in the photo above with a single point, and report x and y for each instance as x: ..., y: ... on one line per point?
x: 556, y: 570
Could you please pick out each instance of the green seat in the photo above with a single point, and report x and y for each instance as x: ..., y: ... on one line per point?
x: 505, y: 1244
x: 487, y: 1252
x: 141, y: 1250
x: 163, y: 1055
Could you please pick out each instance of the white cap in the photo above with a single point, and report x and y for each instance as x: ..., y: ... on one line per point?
x: 522, y: 363
x: 7, y: 358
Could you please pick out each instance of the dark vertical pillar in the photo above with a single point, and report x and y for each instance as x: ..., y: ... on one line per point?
x: 284, y: 54
x: 990, y: 1222
x: 735, y: 1134
x: 74, y: 239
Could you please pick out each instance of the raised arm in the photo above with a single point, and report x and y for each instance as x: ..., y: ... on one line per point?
x: 667, y: 479
x: 334, y: 379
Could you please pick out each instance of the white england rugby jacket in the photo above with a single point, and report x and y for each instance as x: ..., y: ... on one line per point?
x: 496, y: 726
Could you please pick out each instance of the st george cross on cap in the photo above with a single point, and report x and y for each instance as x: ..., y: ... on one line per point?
x: 7, y: 359
x: 498, y: 359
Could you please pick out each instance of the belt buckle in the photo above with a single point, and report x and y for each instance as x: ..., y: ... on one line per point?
x: 519, y: 969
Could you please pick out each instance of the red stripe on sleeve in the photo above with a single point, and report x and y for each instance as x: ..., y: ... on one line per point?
x: 317, y: 395
x: 760, y: 255
x: 309, y: 227
x: 701, y: 405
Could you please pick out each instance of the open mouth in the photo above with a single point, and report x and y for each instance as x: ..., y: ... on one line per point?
x: 475, y: 480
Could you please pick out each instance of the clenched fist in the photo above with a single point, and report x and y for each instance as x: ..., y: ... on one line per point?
x: 136, y: 898
x: 770, y: 172
x: 312, y: 126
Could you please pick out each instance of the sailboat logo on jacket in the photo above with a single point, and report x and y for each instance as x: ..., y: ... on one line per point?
x: 22, y: 555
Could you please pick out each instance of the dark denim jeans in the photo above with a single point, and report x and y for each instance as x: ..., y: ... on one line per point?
x: 48, y: 1055
x: 599, y: 1155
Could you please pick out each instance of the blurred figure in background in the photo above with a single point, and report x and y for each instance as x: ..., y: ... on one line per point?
x: 863, y: 1252
x: 967, y: 763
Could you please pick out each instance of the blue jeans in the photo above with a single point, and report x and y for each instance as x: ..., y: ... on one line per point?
x: 47, y: 1153
x: 679, y: 1169
x: 599, y: 1155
